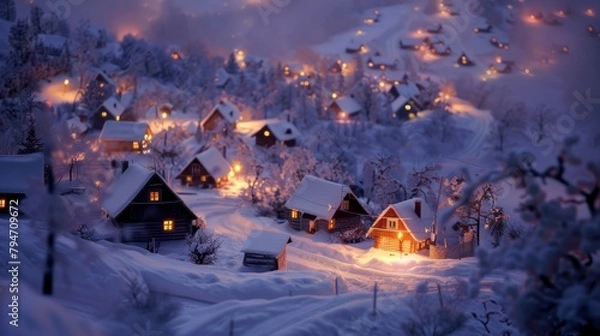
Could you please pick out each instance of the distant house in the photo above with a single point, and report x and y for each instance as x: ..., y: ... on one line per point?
x: 276, y: 131
x: 344, y: 108
x: 406, y: 89
x: 208, y: 170
x: 19, y: 175
x: 111, y: 109
x: 405, y: 108
x: 463, y: 60
x: 103, y: 80
x: 356, y: 47
x: 52, y: 45
x: 224, y: 113
x: 293, y: 70
x: 410, y: 44
x: 382, y: 63
x: 403, y: 227
x: 77, y: 127
x: 125, y: 136
x: 143, y: 206
x: 222, y: 79
x: 266, y: 250
x: 162, y: 111
x: 319, y: 204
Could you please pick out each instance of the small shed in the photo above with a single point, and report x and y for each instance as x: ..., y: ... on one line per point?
x: 266, y: 250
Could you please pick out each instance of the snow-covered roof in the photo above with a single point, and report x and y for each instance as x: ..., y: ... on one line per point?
x: 227, y: 110
x: 269, y: 243
x: 383, y: 60
x: 52, y: 41
x: 409, y: 90
x: 20, y: 171
x: 110, y: 68
x: 106, y: 78
x: 415, y: 225
x: 126, y: 188
x: 354, y: 45
x: 113, y: 106
x: 76, y: 126
x: 318, y: 197
x: 124, y: 131
x: 281, y: 129
x: 398, y: 103
x: 213, y: 162
x: 348, y: 105
x: 221, y: 77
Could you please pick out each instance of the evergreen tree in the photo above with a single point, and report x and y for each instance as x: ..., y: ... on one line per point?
x: 20, y: 39
x: 36, y: 17
x: 232, y: 67
x: 31, y: 144
x: 8, y: 10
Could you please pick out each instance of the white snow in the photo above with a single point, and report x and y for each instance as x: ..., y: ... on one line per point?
x: 20, y: 172
x: 123, y: 131
x: 269, y: 243
x: 76, y: 126
x: 348, y: 105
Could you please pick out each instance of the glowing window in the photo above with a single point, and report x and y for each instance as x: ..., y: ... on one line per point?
x: 345, y: 205
x: 168, y: 225
x: 154, y: 196
x: 407, y: 107
x: 188, y: 178
x: 136, y: 145
x: 2, y: 203
x: 203, y: 178
x: 294, y: 214
x: 104, y: 114
x: 267, y: 133
x: 101, y: 84
x: 331, y: 225
x: 118, y: 118
x: 392, y: 223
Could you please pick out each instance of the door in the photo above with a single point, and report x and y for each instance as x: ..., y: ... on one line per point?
x: 312, y: 226
x: 389, y: 244
x: 407, y: 246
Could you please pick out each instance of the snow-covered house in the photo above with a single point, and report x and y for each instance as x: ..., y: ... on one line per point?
x: 162, y: 111
x: 320, y: 204
x: 125, y: 136
x: 52, y: 45
x: 382, y: 63
x: 208, y: 169
x: 356, y: 47
x: 344, y: 108
x: 411, y: 44
x: 404, y: 108
x: 266, y: 250
x: 143, y: 207
x: 293, y: 69
x: 103, y: 79
x: 223, y: 114
x: 222, y: 79
x: 405, y: 88
x: 403, y: 227
x: 463, y: 60
x: 270, y: 132
x: 77, y: 127
x: 19, y: 174
x: 111, y: 109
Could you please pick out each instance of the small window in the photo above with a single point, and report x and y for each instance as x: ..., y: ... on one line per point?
x: 203, y: 178
x: 117, y: 118
x: 136, y: 145
x: 154, y: 196
x: 168, y: 225
x: 267, y: 134
x: 188, y: 178
x: 345, y: 205
x: 2, y: 203
x: 331, y: 225
x: 104, y: 114
x: 294, y: 214
x: 392, y: 223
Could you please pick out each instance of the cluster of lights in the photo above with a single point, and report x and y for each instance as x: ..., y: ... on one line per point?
x: 305, y: 83
x: 501, y: 45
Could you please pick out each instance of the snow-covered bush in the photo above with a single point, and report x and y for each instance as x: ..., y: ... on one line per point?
x: 352, y: 236
x: 560, y: 293
x: 86, y: 232
x: 203, y: 247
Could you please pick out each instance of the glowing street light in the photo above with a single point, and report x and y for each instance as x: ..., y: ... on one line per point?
x: 334, y: 95
x: 237, y: 168
x: 66, y: 82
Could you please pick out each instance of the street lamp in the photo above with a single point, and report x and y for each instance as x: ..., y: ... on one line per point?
x: 66, y: 82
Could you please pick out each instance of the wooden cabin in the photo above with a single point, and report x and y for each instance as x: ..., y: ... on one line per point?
x: 405, y: 89
x: 19, y: 175
x: 142, y: 205
x: 111, y: 109
x: 104, y: 80
x: 319, y: 204
x: 344, y: 108
x: 410, y: 44
x: 483, y: 30
x: 224, y: 113
x: 440, y: 49
x: 207, y: 169
x: 382, y: 63
x: 266, y: 250
x: 498, y: 44
x: 125, y: 136
x: 403, y: 227
x: 437, y: 30
x: 355, y: 48
x: 77, y: 127
x: 404, y: 108
x: 276, y: 131
x: 463, y: 60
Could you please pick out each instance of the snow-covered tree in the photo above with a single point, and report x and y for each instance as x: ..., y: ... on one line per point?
x: 32, y: 143
x: 8, y: 10
x: 203, y: 247
x: 507, y: 121
x: 21, y: 39
x: 381, y: 181
x: 36, y: 16
x: 232, y: 66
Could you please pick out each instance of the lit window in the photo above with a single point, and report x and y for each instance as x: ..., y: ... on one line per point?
x: 164, y: 115
x: 136, y: 145
x: 188, y: 178
x: 203, y: 178
x: 168, y: 225
x: 407, y: 107
x: 331, y: 225
x: 294, y: 214
x: 267, y: 133
x: 118, y: 118
x: 2, y: 203
x: 101, y: 84
x: 392, y: 223
x: 154, y: 196
x: 411, y: 115
x: 345, y: 205
x: 104, y: 114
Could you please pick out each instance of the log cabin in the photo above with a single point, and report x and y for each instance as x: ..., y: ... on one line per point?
x: 207, y: 169
x: 111, y: 109
x: 19, y: 175
x: 382, y: 63
x: 266, y: 250
x: 125, y: 136
x: 318, y: 204
x: 276, y: 131
x: 344, y: 108
x: 224, y: 113
x: 403, y: 227
x: 406, y: 108
x: 143, y: 207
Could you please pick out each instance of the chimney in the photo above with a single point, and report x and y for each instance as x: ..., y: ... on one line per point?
x: 418, y: 208
x: 124, y: 166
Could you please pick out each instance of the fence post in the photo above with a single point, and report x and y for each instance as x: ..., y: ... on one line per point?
x: 375, y: 299
x: 336, y: 286
x: 231, y: 325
